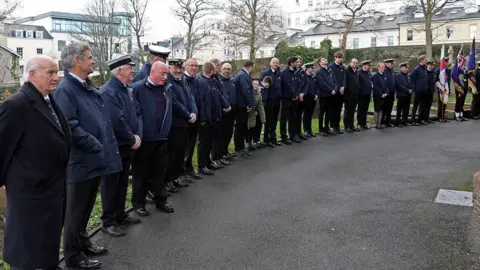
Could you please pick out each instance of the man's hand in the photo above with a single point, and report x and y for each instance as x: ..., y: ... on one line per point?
x: 193, y: 118
x: 474, y: 91
x: 300, y: 97
x: 137, y: 143
x: 333, y: 93
x: 316, y: 97
x: 249, y: 109
x: 227, y: 109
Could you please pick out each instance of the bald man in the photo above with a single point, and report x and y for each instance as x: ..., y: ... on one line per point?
x: 273, y: 103
x: 35, y: 148
x: 150, y: 162
x: 229, y: 87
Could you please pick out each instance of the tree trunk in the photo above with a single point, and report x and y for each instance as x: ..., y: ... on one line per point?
x: 188, y: 48
x: 428, y: 35
x: 253, y: 32
x: 140, y: 50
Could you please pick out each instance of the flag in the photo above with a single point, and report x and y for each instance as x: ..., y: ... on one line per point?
x: 442, y: 53
x: 443, y: 81
x: 457, y: 72
x: 471, y: 69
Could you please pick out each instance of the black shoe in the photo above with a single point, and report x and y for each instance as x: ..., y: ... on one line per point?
x: 84, y: 264
x: 339, y: 131
x: 141, y: 211
x: 206, y: 171
x: 262, y: 144
x: 241, y: 155
x: 365, y: 127
x: 356, y: 129
x: 277, y: 143
x: 349, y: 130
x: 213, y: 166
x: 332, y: 132
x: 219, y: 164
x: 416, y: 124
x: 400, y: 125
x: 324, y: 134
x: 225, y: 162
x: 464, y: 119
x: 423, y: 123
x: 271, y: 145
x: 245, y: 151
x: 194, y: 175
x: 311, y: 134
x: 187, y: 179
x: 446, y: 120
x: 171, y: 187
x: 165, y: 207
x: 390, y: 125
x: 179, y: 184
x: 296, y: 139
x: 95, y: 250
x: 150, y: 198
x: 476, y: 117
x: 302, y: 137
x: 129, y: 221
x: 287, y: 141
x: 307, y: 135
x: 114, y: 231
x: 431, y: 122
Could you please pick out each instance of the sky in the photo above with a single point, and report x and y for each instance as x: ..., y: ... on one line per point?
x: 163, y: 24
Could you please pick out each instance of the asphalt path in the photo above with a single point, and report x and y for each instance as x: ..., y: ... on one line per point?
x: 354, y: 201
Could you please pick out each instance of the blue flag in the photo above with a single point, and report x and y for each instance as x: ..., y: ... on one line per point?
x: 457, y: 72
x: 471, y: 69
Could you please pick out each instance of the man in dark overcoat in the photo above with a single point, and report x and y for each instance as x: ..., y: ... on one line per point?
x: 35, y: 148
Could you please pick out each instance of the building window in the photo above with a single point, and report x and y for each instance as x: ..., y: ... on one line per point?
x: 38, y: 34
x: 18, y: 33
x: 373, y: 42
x: 22, y: 69
x: 355, y: 43
x: 312, y: 43
x: 241, y: 55
x: 61, y: 45
x: 29, y: 34
x: 183, y: 52
x: 390, y: 40
x: 409, y: 35
x: 20, y: 51
x: 117, y: 48
x: 273, y: 52
x: 39, y: 51
x: 310, y: 3
x: 262, y: 54
x: 297, y: 22
x: 225, y: 51
x: 473, y: 30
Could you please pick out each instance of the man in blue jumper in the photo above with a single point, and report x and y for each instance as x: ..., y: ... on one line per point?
x: 339, y: 75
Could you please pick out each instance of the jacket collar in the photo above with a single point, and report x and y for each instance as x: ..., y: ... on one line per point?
x: 87, y: 85
x: 116, y: 82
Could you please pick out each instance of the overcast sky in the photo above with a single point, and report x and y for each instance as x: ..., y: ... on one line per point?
x: 159, y: 13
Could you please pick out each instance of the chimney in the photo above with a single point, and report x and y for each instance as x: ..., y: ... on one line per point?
x: 410, y: 10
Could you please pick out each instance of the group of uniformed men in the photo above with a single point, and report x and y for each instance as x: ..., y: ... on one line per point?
x: 149, y: 126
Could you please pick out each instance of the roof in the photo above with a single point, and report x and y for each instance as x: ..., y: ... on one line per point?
x: 11, y: 28
x: 66, y: 16
x: 10, y: 51
x: 176, y: 40
x: 297, y: 39
x: 384, y: 22
x: 447, y: 14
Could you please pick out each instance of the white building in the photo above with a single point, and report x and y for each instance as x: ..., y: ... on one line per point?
x: 64, y: 26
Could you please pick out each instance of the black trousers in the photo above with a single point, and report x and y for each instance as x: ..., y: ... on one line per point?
x: 403, y: 106
x: 323, y: 114
x: 191, y: 142
x: 287, y: 116
x: 206, y: 135
x: 429, y: 103
x: 241, y: 130
x: 351, y: 102
x: 223, y: 136
x: 441, y: 108
x: 336, y: 111
x: 416, y: 102
x: 255, y: 132
x: 150, y: 162
x: 81, y: 198
x: 300, y: 109
x: 476, y: 105
x: 272, y: 111
x: 177, y: 142
x: 363, y: 104
x: 113, y: 188
x: 387, y: 109
x: 459, y: 102
x: 310, y: 104
x: 423, y: 106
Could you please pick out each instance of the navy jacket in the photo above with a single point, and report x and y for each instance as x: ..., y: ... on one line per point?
x: 366, y: 84
x: 275, y: 90
x: 211, y: 98
x: 228, y: 86
x: 310, y: 88
x: 325, y: 83
x: 352, y: 85
x: 145, y: 93
x: 183, y: 103
x: 432, y: 79
x: 191, y: 83
x: 390, y: 73
x: 143, y: 73
x: 217, y: 78
x: 244, y: 90
x: 403, y: 84
x: 302, y: 82
x: 94, y: 146
x: 124, y: 111
x: 289, y: 83
x: 339, y: 75
x: 419, y: 79
x: 380, y: 84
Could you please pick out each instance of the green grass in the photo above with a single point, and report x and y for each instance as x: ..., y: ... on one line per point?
x: 468, y: 186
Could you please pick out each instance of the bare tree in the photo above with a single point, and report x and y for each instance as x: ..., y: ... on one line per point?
x: 352, y: 12
x: 139, y: 22
x: 252, y: 22
x: 9, y: 7
x: 429, y: 8
x: 8, y: 67
x: 192, y: 13
x: 101, y: 30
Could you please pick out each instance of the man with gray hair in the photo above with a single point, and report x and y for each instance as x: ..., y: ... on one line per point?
x: 94, y: 152
x: 127, y: 124
x: 35, y: 145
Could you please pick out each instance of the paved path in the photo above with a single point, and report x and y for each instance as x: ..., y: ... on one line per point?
x: 362, y: 201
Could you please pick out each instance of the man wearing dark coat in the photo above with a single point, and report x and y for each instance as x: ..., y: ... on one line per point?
x: 94, y: 151
x: 35, y: 147
x: 157, y: 53
x: 352, y: 87
x: 127, y: 124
